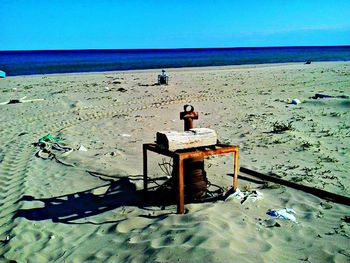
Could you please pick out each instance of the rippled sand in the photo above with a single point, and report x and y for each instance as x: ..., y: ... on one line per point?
x: 94, y: 211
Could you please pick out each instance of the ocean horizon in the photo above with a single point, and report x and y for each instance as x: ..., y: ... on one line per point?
x: 95, y: 60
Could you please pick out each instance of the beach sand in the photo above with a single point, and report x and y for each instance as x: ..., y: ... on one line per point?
x: 89, y: 207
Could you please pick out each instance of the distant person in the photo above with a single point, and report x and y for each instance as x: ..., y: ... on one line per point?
x: 163, y: 78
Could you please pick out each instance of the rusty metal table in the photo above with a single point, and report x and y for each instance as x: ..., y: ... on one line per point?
x: 178, y: 159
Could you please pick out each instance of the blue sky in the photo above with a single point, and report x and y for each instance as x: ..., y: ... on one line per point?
x: 103, y: 24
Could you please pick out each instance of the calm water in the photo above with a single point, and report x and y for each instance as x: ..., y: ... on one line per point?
x: 58, y: 61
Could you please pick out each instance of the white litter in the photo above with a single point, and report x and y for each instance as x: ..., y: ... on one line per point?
x: 295, y: 101
x: 238, y: 195
x: 82, y: 148
x: 245, y: 195
x: 287, y: 214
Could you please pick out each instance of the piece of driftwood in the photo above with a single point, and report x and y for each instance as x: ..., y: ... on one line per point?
x: 312, y: 190
x: 196, y: 137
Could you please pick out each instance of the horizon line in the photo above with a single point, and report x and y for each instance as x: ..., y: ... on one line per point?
x: 160, y: 49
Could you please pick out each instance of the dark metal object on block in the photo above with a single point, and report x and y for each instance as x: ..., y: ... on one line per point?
x: 188, y: 115
x: 188, y: 163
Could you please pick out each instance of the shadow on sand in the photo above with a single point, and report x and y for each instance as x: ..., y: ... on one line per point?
x: 120, y: 192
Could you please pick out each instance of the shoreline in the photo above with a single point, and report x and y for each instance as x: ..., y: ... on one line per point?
x: 204, y: 68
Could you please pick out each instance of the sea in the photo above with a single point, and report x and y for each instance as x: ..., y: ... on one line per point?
x: 68, y: 61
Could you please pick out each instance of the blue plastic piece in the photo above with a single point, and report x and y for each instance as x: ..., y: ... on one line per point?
x: 2, y: 74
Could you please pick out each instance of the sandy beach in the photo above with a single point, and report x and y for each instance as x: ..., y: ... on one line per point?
x: 87, y: 206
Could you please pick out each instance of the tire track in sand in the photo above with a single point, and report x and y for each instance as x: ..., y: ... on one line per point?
x: 13, y: 171
x: 17, y: 153
x: 12, y: 126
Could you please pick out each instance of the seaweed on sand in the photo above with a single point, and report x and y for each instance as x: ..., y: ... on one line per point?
x: 279, y: 127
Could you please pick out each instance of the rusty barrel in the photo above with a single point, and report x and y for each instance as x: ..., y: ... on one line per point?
x: 195, y: 178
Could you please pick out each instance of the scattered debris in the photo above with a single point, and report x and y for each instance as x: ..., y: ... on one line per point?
x: 122, y: 90
x: 21, y: 100
x: 51, y: 138
x: 287, y: 214
x: 279, y: 127
x: 82, y: 148
x: 245, y: 195
x: 48, y: 144
x: 295, y: 101
x: 290, y: 101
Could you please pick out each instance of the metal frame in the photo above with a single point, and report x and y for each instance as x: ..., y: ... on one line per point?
x: 178, y: 159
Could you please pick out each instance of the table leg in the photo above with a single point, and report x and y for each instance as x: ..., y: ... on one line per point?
x: 145, y: 183
x: 181, y: 197
x: 236, y: 170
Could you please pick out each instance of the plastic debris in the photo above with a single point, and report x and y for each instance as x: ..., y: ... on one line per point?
x: 49, y: 147
x: 244, y: 196
x: 125, y: 135
x: 295, y: 101
x: 239, y: 195
x: 2, y: 74
x: 50, y: 138
x: 82, y: 148
x: 286, y: 214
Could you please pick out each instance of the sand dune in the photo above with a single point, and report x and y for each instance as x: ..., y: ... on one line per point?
x: 89, y: 206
